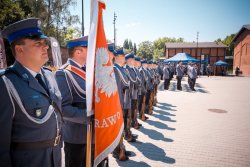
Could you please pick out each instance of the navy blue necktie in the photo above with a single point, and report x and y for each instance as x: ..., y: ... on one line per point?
x: 41, y: 82
x: 83, y: 68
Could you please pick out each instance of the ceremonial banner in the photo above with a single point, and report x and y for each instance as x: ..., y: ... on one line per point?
x: 3, y: 63
x: 56, y: 52
x: 101, y: 89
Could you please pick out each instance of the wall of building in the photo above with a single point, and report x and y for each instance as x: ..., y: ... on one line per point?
x: 242, y: 53
x: 215, y: 54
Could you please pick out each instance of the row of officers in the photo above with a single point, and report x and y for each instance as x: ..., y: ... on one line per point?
x: 42, y: 110
x: 168, y: 73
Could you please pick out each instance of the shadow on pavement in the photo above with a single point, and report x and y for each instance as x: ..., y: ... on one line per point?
x: 165, y: 104
x: 159, y: 125
x: 165, y: 108
x: 153, y: 152
x: 198, y: 85
x: 185, y: 87
x: 153, y: 134
x: 163, y: 118
x: 201, y: 91
x: 161, y: 86
x: 131, y: 163
x: 162, y: 112
x: 172, y: 86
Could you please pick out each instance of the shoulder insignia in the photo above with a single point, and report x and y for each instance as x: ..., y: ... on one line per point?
x: 47, y: 68
x: 64, y: 66
x: 2, y: 72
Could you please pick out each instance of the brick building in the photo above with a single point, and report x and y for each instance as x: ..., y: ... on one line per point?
x: 242, y: 50
x: 210, y: 51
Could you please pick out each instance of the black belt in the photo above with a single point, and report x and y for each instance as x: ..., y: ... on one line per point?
x: 80, y: 105
x: 37, y: 145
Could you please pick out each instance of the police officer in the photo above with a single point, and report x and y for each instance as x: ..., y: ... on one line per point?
x: 137, y: 66
x: 179, y: 75
x: 134, y: 85
x: 144, y: 89
x: 156, y: 80
x: 71, y: 81
x: 123, y: 85
x: 192, y: 75
x: 150, y: 90
x: 30, y: 106
x: 166, y: 76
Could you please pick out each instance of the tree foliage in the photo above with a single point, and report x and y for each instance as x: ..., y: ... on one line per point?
x: 10, y: 11
x: 135, y: 48
x: 57, y: 21
x: 159, y: 45
x: 125, y: 44
x: 55, y: 15
x: 128, y: 46
x: 145, y: 50
x: 228, y: 41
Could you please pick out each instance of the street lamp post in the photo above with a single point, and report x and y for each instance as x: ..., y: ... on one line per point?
x: 197, y: 38
x: 114, y: 30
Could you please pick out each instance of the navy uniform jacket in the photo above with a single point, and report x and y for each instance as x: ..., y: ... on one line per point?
x: 179, y: 71
x: 123, y: 86
x: 139, y: 77
x: 156, y: 76
x: 73, y: 104
x: 150, y: 79
x: 192, y: 73
x: 143, y: 80
x: 166, y: 74
x: 134, y: 83
x: 30, y: 124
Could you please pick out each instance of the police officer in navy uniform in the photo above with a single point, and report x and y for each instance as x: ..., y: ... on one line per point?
x: 123, y: 84
x: 71, y: 81
x: 125, y: 94
x: 179, y: 75
x: 166, y: 76
x: 156, y: 81
x: 144, y: 87
x: 192, y: 75
x: 30, y: 102
x: 134, y: 85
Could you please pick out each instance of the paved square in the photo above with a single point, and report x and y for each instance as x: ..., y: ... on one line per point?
x: 183, y: 132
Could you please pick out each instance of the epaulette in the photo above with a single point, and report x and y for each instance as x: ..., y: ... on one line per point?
x: 2, y: 72
x: 6, y: 71
x: 64, y: 66
x: 47, y: 68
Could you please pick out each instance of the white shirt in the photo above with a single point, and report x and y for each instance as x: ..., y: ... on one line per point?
x: 33, y: 73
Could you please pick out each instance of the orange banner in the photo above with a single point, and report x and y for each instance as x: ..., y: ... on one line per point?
x: 107, y: 109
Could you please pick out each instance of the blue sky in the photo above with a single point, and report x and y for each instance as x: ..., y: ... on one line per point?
x: 141, y: 20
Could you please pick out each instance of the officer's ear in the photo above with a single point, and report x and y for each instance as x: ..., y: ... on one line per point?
x: 18, y: 49
x: 16, y: 46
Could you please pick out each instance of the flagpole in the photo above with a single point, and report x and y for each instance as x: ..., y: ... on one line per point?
x: 90, y: 82
x: 89, y: 139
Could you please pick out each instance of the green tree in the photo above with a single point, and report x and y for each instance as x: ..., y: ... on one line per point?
x: 135, y: 49
x: 130, y: 45
x: 228, y: 41
x: 10, y: 12
x: 125, y: 44
x: 159, y: 45
x: 145, y: 50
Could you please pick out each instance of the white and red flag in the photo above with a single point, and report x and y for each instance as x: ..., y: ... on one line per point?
x: 101, y: 88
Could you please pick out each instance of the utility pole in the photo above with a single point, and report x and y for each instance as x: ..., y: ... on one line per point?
x: 197, y: 38
x: 82, y: 18
x: 114, y: 29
